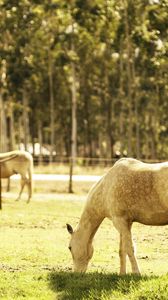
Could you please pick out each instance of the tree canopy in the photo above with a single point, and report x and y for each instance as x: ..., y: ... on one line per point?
x: 119, y: 53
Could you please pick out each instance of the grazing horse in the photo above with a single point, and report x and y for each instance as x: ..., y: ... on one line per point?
x: 18, y: 162
x: 131, y: 191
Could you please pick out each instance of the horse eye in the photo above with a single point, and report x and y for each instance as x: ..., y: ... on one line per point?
x: 69, y: 248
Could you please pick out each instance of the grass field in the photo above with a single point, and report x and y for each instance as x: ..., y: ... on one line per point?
x: 59, y: 168
x: 35, y: 262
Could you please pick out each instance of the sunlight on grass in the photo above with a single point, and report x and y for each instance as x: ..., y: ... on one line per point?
x: 58, y: 168
x: 35, y: 257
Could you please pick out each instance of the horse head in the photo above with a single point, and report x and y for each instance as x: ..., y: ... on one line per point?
x: 80, y: 249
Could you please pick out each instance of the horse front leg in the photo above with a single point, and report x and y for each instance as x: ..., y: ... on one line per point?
x: 122, y: 254
x: 126, y: 245
x: 129, y: 248
x: 131, y: 255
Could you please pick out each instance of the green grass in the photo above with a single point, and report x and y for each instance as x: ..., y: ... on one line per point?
x: 60, y: 168
x: 35, y: 262
x: 108, y: 286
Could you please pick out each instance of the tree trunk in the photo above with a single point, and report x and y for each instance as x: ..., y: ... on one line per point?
x: 25, y: 119
x: 137, y: 128
x: 3, y: 133
x: 1, y: 124
x: 108, y: 96
x: 52, y: 114
x: 11, y: 128
x: 74, y: 105
x: 129, y: 79
x: 136, y: 97
x: 19, y: 132
x: 74, y: 127
x: 40, y: 139
x: 121, y: 101
x: 88, y: 134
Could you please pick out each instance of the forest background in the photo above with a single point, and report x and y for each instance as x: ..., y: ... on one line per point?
x: 85, y: 78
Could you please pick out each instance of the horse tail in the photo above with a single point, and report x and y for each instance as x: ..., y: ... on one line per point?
x: 30, y: 174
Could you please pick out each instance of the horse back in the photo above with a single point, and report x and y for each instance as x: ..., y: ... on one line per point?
x: 17, y: 162
x: 138, y: 191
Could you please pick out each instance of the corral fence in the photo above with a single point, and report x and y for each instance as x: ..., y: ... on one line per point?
x: 83, y: 161
x: 67, y: 161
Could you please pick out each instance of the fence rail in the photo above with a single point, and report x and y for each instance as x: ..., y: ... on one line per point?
x: 84, y: 161
x: 62, y: 160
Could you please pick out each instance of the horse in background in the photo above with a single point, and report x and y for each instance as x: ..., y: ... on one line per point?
x: 18, y: 162
x: 131, y: 191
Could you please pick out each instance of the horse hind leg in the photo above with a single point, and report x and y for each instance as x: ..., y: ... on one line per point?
x: 29, y: 185
x: 30, y: 182
x: 23, y: 182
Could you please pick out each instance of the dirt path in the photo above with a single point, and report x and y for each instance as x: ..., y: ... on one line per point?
x: 58, y: 177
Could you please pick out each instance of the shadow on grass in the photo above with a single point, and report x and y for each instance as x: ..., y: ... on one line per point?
x: 74, y: 286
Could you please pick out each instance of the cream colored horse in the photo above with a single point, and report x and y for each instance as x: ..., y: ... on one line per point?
x: 132, y: 191
x: 18, y: 162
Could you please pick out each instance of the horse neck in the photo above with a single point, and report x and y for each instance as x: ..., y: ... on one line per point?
x: 92, y: 216
x: 88, y: 227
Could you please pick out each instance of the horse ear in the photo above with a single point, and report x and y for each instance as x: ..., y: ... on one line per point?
x: 69, y: 228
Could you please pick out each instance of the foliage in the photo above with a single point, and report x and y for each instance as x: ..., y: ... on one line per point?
x: 120, y: 56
